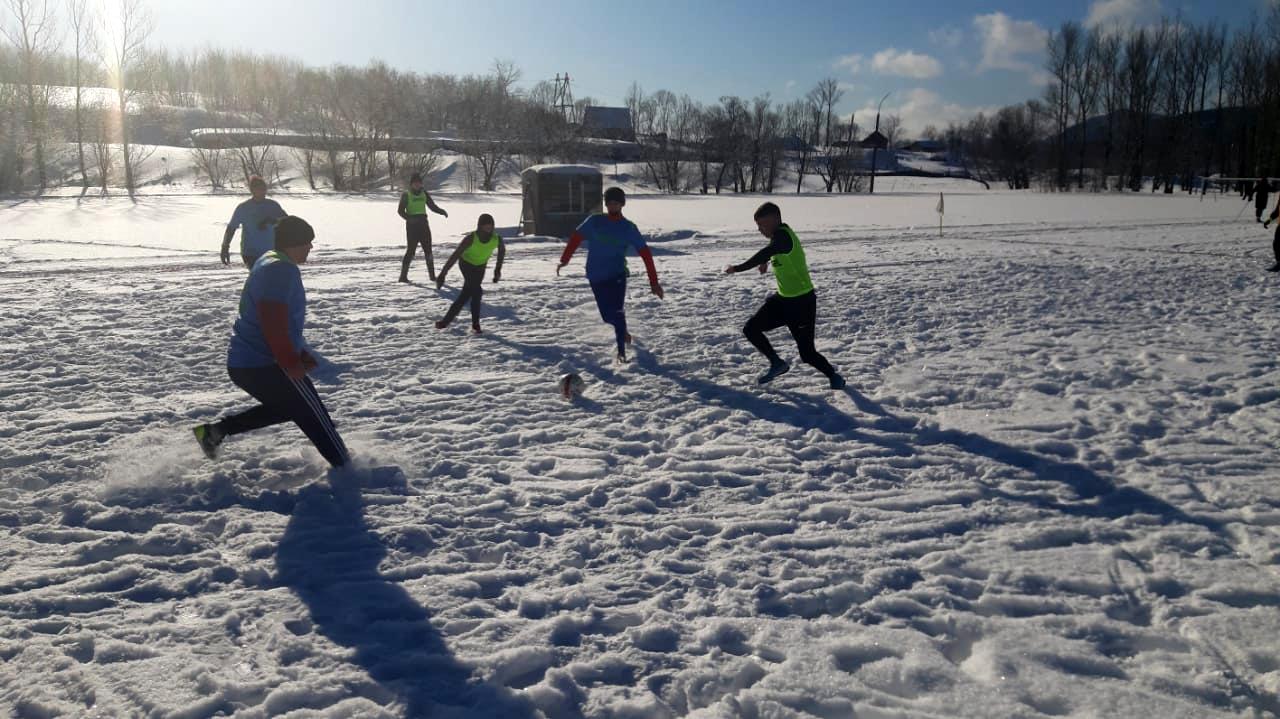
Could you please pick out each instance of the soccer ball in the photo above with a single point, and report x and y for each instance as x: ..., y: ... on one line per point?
x: 570, y: 386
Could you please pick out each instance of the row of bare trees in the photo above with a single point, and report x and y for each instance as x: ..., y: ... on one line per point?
x: 745, y: 145
x: 1168, y: 102
x: 49, y: 46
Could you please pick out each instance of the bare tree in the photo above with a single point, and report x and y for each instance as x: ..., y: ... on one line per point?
x: 84, y: 44
x: 1083, y: 71
x: 31, y: 27
x: 102, y: 148
x: 826, y: 95
x: 891, y: 128
x: 1063, y: 51
x: 131, y: 27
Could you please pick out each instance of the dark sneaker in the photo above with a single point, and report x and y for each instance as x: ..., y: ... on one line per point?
x: 837, y: 382
x: 441, y: 324
x: 1274, y: 268
x: 209, y: 437
x: 475, y: 330
x: 404, y: 279
x: 780, y: 368
x: 621, y: 358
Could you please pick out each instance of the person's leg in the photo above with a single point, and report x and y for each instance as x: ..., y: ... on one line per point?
x: 425, y: 238
x: 768, y: 317
x: 314, y: 421
x: 1275, y: 250
x: 262, y: 384
x: 802, y: 320
x: 411, y: 247
x: 475, y: 276
x: 470, y: 286
x: 284, y: 399
x: 610, y: 298
x: 248, y: 260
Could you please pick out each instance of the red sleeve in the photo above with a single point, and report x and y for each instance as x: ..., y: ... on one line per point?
x: 574, y: 240
x: 647, y: 256
x: 274, y: 318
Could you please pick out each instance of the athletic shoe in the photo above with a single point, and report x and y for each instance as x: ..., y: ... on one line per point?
x: 837, y: 382
x: 621, y: 358
x: 209, y: 437
x: 475, y: 330
x: 404, y: 279
x: 441, y: 324
x: 780, y: 368
x: 1274, y: 268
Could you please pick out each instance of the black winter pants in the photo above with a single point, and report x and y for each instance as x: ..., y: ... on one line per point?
x: 285, y: 400
x: 799, y: 315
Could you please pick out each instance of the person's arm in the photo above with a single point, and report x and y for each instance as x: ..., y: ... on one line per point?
x: 431, y: 205
x: 404, y: 206
x: 779, y: 245
x: 502, y: 255
x: 574, y: 241
x: 273, y: 316
x: 230, y: 233
x: 453, y: 259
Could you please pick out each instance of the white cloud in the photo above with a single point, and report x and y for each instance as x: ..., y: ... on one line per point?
x: 906, y: 64
x: 1009, y: 44
x: 918, y: 109
x: 948, y: 36
x: 852, y: 63
x: 1122, y: 13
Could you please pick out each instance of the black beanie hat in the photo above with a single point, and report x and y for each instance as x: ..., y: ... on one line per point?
x: 768, y: 209
x: 485, y: 219
x: 615, y: 194
x: 292, y: 231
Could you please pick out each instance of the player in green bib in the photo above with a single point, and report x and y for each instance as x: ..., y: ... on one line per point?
x: 795, y: 304
x: 472, y: 256
x: 414, y: 204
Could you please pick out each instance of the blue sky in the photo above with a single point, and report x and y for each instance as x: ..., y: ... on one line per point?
x: 941, y: 59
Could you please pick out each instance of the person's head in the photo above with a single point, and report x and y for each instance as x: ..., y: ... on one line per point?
x: 294, y: 237
x: 415, y: 181
x: 614, y: 199
x: 768, y: 217
x: 484, y: 225
x: 257, y: 187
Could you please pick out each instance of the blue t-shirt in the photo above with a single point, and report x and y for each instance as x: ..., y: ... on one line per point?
x: 255, y: 241
x: 607, y: 242
x: 274, y: 278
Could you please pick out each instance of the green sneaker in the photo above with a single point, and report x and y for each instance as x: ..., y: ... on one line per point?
x: 209, y: 437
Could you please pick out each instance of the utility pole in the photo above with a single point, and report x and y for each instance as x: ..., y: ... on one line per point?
x: 875, y: 149
x: 563, y: 97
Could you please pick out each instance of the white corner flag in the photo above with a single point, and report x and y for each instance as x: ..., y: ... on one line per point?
x: 941, y: 212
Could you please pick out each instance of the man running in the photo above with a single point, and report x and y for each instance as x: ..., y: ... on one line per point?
x: 268, y: 357
x: 608, y: 236
x: 795, y: 304
x: 414, y: 204
x: 472, y: 256
x: 258, y: 216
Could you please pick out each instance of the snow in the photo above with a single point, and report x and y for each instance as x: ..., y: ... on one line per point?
x: 1049, y: 489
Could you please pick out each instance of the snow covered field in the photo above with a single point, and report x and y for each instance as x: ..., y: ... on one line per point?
x: 1049, y: 491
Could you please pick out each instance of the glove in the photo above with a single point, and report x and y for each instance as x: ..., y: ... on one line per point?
x: 226, y: 253
x: 1266, y: 224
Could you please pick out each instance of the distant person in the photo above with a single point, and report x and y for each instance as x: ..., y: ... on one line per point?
x: 472, y: 256
x: 256, y: 217
x: 794, y: 305
x: 414, y: 204
x: 268, y: 357
x: 608, y: 237
x: 1275, y: 243
x: 1246, y: 190
x: 1260, y: 197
